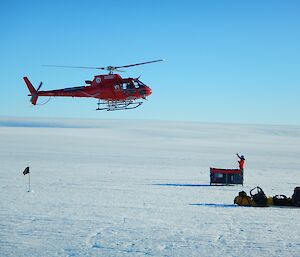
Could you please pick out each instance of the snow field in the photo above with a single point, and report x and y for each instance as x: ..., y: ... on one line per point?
x: 124, y: 188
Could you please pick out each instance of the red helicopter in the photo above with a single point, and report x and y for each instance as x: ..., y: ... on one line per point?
x: 113, y: 91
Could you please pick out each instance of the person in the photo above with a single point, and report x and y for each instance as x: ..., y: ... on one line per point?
x: 241, y: 161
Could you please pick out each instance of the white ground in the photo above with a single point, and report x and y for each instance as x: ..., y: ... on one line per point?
x: 95, y: 189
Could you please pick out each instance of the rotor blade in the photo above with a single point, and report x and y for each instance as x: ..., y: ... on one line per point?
x: 120, y: 70
x: 79, y: 67
x: 39, y: 86
x: 109, y: 68
x: 136, y: 64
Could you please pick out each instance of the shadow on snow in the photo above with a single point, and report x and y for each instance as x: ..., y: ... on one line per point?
x: 187, y: 185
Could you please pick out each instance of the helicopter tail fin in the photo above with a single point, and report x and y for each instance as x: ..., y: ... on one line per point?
x: 32, y: 90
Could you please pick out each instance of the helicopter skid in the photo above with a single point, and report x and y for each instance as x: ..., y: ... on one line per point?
x: 118, y: 105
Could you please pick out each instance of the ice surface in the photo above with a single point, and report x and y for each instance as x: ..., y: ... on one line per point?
x: 141, y: 188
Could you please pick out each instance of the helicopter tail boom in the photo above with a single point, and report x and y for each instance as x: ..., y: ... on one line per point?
x: 32, y: 90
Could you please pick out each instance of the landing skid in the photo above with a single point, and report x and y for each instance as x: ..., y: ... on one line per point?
x: 118, y: 105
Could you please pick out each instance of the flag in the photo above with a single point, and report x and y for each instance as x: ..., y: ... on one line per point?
x: 26, y: 171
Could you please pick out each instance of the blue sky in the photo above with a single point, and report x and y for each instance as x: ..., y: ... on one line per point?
x: 226, y: 61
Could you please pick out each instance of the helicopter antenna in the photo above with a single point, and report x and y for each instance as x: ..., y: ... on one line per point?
x: 110, y: 69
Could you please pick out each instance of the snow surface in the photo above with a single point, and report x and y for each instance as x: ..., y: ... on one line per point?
x: 141, y: 188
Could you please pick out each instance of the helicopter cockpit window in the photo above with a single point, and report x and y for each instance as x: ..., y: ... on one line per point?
x: 136, y: 84
x: 130, y: 86
x: 141, y: 84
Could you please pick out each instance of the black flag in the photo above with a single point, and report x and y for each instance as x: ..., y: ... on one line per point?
x: 26, y: 171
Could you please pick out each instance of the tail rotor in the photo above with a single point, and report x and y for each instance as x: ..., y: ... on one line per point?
x: 39, y: 87
x: 33, y: 92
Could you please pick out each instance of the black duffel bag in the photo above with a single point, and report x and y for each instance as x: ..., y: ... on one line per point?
x: 296, y: 197
x: 282, y: 200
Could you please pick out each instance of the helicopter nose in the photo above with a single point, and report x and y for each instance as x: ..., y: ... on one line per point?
x: 148, y: 91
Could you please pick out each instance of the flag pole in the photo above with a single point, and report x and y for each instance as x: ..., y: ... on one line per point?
x: 26, y: 171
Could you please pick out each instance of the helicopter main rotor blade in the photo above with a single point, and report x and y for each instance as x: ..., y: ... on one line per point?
x: 109, y: 68
x: 136, y: 64
x: 120, y: 70
x: 67, y: 66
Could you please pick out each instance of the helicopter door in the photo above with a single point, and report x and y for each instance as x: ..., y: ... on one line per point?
x: 130, y: 89
x: 118, y: 90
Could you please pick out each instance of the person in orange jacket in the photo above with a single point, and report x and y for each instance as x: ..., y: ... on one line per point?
x: 241, y: 161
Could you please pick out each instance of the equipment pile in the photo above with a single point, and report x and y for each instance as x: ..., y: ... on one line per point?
x: 258, y: 198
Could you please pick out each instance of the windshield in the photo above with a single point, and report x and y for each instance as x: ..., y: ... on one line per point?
x: 137, y: 83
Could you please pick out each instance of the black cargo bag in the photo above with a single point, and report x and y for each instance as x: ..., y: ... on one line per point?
x: 296, y: 197
x: 282, y: 200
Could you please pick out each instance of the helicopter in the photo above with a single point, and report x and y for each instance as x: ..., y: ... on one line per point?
x: 112, y: 91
